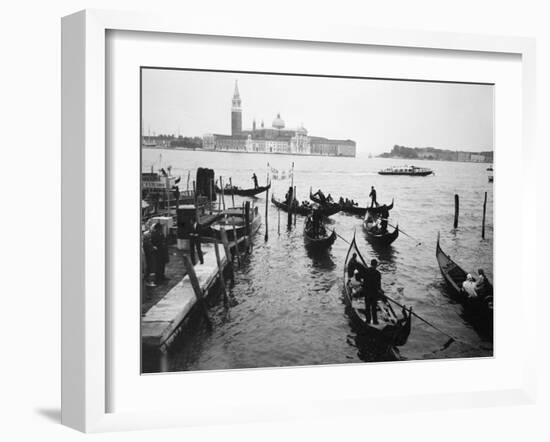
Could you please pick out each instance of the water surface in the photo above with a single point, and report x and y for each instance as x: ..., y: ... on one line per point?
x: 288, y: 308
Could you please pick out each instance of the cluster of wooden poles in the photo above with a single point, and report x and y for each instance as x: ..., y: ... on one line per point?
x: 457, y: 204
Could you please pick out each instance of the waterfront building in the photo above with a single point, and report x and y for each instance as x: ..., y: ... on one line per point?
x: 477, y: 158
x: 275, y: 139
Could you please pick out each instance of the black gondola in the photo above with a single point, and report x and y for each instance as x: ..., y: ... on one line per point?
x: 303, y: 209
x: 228, y: 190
x: 327, y: 204
x: 375, y: 235
x: 316, y: 241
x: 481, y: 306
x: 390, y: 331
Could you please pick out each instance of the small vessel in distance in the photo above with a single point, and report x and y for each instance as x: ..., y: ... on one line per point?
x: 406, y: 170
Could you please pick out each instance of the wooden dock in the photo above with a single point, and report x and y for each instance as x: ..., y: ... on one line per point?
x: 159, y: 326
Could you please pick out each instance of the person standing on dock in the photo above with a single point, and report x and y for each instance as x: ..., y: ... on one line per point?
x: 373, y: 288
x: 372, y: 195
x: 255, y: 179
x: 195, y: 244
x: 160, y: 252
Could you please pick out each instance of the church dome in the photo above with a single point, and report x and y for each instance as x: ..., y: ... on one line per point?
x: 278, y: 123
x: 301, y: 130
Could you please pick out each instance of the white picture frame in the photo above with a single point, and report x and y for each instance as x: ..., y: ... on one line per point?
x: 85, y: 313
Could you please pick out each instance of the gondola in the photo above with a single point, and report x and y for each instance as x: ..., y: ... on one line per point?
x: 329, y: 205
x: 374, y: 235
x: 302, y: 209
x: 243, y: 192
x: 378, y: 210
x: 315, y: 241
x: 454, y: 275
x: 390, y: 331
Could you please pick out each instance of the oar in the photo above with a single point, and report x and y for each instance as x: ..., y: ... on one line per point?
x: 451, y: 338
x: 342, y: 238
x: 405, y: 233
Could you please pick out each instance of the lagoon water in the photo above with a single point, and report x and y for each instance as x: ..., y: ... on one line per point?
x: 288, y: 308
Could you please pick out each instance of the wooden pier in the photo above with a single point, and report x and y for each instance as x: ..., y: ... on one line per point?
x: 160, y: 324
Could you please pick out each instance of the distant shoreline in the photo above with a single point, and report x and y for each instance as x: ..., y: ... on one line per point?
x: 430, y: 159
x: 240, y: 152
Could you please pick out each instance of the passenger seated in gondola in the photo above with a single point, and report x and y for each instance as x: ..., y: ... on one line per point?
x: 384, y: 225
x: 341, y: 201
x: 355, y: 284
x: 482, y: 285
x: 354, y: 265
x: 469, y: 286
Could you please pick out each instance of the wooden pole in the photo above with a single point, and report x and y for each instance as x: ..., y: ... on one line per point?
x: 188, y: 178
x: 210, y: 194
x: 291, y: 199
x: 266, y: 213
x: 236, y: 242
x: 279, y: 220
x: 294, y: 195
x: 220, y: 272
x: 484, y: 210
x: 196, y: 288
x: 232, y: 192
x: 229, y: 256
x: 196, y: 203
x: 455, y: 224
x: 223, y: 195
x: 247, y: 224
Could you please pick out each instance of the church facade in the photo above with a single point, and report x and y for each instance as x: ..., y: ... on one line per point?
x: 276, y: 139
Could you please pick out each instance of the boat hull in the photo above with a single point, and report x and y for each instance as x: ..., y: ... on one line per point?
x: 319, y: 243
x: 244, y: 192
x: 392, y: 331
x: 479, y: 310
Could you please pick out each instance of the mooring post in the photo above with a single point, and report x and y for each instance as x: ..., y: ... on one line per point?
x: 247, y: 224
x: 210, y: 194
x: 236, y: 241
x: 197, y: 288
x: 266, y: 211
x: 228, y: 255
x: 484, y: 210
x: 220, y: 272
x: 455, y: 224
x: 295, y: 212
x: 232, y: 192
x: 289, y: 205
x: 279, y: 221
x: 223, y: 194
x: 196, y: 202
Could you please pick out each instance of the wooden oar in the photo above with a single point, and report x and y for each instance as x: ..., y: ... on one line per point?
x: 451, y: 337
x: 405, y: 233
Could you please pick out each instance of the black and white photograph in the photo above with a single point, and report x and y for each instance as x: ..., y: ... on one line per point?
x: 300, y: 220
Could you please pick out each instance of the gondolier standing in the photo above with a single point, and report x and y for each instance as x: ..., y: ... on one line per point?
x: 372, y: 195
x: 372, y: 291
x: 255, y: 179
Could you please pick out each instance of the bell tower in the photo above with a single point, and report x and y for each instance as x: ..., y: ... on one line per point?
x: 236, y: 112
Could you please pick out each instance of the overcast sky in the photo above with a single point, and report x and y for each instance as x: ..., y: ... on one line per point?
x: 375, y: 113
